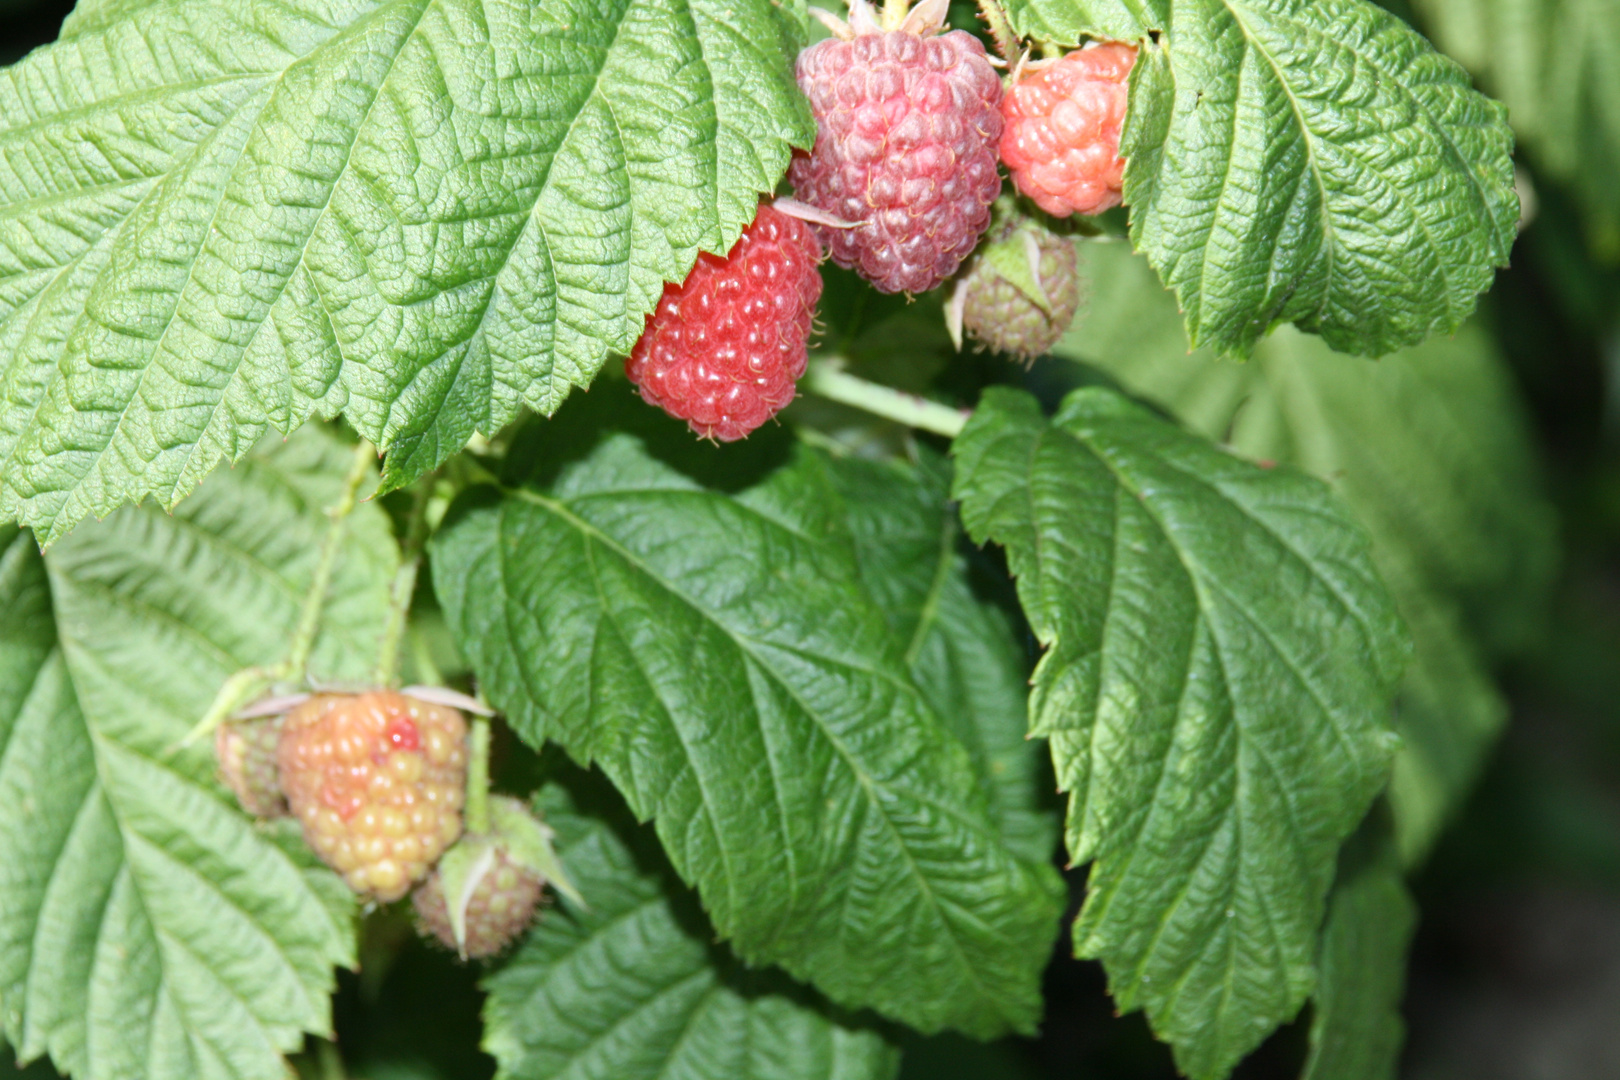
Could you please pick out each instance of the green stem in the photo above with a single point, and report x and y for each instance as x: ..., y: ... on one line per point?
x: 478, y: 776
x: 404, y: 587
x: 828, y: 380
x: 309, y: 623
x: 1001, y: 28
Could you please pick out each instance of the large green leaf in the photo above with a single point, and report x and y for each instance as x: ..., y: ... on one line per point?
x: 1556, y: 63
x: 634, y: 987
x: 221, y: 216
x: 1304, y: 161
x: 147, y: 927
x: 1356, y: 1029
x: 960, y: 647
x: 1430, y: 450
x: 719, y: 658
x: 1216, y: 691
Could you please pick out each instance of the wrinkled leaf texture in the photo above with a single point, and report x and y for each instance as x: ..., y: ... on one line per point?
x: 1313, y: 162
x: 717, y: 656
x: 1216, y: 693
x: 634, y: 986
x: 219, y: 217
x: 1431, y: 451
x: 148, y: 928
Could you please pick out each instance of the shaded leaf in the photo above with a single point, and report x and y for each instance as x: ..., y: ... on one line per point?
x: 1356, y: 1031
x: 633, y: 988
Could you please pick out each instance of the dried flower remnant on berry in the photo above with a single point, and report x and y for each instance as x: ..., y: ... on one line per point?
x: 377, y: 781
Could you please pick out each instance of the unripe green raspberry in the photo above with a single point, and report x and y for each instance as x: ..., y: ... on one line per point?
x: 485, y: 891
x: 1019, y: 294
x: 246, y: 751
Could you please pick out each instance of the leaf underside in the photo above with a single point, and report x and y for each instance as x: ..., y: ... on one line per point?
x: 1313, y: 162
x: 148, y: 928
x: 718, y: 657
x: 1216, y: 693
x: 219, y: 217
x: 634, y: 988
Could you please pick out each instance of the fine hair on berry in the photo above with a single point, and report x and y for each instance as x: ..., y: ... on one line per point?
x: 907, y: 123
x: 1063, y: 122
x: 725, y: 348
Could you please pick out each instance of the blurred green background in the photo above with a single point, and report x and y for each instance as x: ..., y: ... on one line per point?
x: 1515, y: 971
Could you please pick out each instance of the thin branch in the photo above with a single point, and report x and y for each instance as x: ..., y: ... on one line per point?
x: 827, y: 379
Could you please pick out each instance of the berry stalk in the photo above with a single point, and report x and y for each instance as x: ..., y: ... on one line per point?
x: 477, y: 814
x: 827, y: 379
x: 404, y: 586
x: 309, y: 622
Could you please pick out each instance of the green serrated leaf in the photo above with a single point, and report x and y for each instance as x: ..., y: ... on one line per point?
x: 1313, y: 162
x: 1216, y: 691
x: 419, y: 215
x: 1356, y: 1030
x: 961, y: 648
x: 635, y: 989
x: 1556, y: 63
x: 148, y: 928
x: 717, y: 656
x: 1429, y: 448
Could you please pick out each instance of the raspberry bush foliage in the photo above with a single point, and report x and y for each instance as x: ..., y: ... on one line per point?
x: 831, y: 712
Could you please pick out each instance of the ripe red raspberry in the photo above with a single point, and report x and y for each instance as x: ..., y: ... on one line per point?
x: 726, y: 346
x: 906, y: 130
x: 1019, y: 295
x: 377, y: 781
x: 246, y: 751
x: 1061, y: 141
x: 497, y: 892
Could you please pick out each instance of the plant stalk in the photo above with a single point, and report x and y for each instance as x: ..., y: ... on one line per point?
x: 478, y: 776
x: 404, y: 586
x: 827, y: 379
x: 309, y: 623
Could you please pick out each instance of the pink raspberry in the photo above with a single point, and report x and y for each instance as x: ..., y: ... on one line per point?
x: 1061, y: 140
x: 726, y: 346
x: 906, y: 130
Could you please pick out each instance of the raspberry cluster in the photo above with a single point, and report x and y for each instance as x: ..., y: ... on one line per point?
x: 906, y: 130
x: 377, y: 780
x: 726, y: 346
x: 1063, y: 119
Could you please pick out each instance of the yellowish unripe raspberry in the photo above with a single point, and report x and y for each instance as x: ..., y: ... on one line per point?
x: 377, y: 780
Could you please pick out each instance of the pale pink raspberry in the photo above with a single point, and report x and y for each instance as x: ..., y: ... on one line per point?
x: 1061, y: 136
